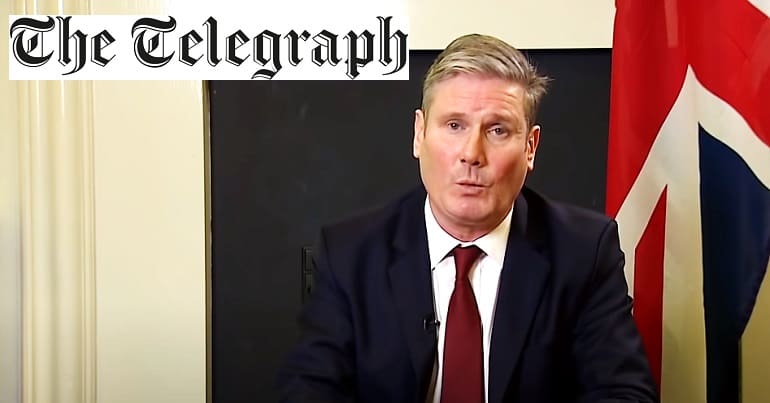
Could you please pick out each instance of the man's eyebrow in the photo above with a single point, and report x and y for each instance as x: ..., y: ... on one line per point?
x: 452, y: 115
x: 505, y: 118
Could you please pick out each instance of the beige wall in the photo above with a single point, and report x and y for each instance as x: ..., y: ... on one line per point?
x: 527, y: 24
x: 151, y: 227
x: 151, y: 239
x: 139, y: 178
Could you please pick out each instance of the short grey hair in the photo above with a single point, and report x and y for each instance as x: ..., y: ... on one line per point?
x: 488, y: 56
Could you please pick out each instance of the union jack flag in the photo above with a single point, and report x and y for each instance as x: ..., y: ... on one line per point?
x: 689, y: 182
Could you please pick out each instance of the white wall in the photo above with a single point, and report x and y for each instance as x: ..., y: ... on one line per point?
x: 151, y: 239
x: 150, y: 221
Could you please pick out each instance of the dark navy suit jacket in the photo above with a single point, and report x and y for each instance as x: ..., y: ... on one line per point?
x: 562, y: 331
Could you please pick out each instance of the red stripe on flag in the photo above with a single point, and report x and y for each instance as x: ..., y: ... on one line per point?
x: 648, y: 70
x: 729, y: 48
x: 648, y: 286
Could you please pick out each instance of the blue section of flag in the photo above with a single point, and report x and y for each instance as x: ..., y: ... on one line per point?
x: 735, y: 219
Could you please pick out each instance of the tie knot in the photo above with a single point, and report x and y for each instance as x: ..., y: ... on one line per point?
x: 464, y: 258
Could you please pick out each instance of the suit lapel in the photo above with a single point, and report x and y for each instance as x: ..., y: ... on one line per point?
x: 522, y: 281
x: 411, y: 287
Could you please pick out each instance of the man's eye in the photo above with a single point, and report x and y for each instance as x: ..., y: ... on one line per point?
x: 498, y: 131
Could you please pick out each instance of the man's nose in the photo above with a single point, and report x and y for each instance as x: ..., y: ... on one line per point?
x: 472, y: 152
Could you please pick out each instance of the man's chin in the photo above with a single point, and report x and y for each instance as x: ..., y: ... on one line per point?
x: 471, y: 218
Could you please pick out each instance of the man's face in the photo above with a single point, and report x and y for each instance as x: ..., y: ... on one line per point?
x: 475, y: 149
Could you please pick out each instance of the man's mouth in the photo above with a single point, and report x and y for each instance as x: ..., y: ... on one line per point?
x: 471, y: 183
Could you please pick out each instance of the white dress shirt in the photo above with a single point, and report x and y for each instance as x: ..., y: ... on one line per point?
x: 484, y: 276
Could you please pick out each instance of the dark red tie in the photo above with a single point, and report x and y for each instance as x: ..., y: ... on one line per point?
x: 463, y: 370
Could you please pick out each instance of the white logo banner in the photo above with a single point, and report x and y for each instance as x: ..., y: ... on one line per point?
x: 364, y: 46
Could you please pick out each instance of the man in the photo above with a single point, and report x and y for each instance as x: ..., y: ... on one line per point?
x: 472, y: 288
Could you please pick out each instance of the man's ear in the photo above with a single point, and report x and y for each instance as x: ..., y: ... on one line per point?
x: 419, y: 132
x: 533, y: 139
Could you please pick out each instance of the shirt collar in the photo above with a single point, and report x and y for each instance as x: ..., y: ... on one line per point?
x: 440, y: 243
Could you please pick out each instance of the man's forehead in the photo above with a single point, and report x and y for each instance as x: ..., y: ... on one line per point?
x: 460, y: 85
x: 457, y: 97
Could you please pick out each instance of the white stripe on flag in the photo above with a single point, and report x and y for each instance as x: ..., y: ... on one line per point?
x: 683, y: 372
x: 762, y: 5
x: 673, y: 163
x: 725, y: 124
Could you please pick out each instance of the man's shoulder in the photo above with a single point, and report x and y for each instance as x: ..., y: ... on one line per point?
x: 376, y: 220
x: 560, y: 216
x: 572, y: 237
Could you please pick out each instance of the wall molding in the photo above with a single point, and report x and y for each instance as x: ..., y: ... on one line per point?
x: 57, y: 232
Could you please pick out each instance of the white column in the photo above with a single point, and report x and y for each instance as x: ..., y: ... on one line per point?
x: 10, y: 230
x: 55, y: 157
